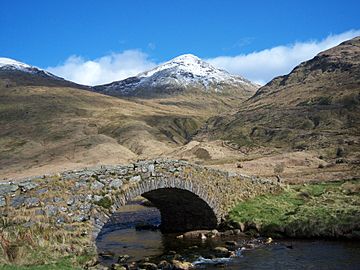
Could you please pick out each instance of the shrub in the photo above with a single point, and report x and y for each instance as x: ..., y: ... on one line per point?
x: 340, y: 152
x: 307, y: 124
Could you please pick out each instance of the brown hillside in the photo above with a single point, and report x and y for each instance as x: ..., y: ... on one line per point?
x: 314, y: 110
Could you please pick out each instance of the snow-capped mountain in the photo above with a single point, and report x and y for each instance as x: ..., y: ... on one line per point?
x: 185, y: 72
x: 11, y: 64
x: 18, y: 73
x: 8, y: 63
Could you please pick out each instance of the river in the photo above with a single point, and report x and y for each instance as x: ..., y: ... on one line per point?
x: 120, y: 237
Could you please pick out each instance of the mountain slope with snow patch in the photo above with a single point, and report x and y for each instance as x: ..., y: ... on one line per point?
x: 13, y: 72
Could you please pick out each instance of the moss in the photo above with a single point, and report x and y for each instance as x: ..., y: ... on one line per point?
x: 313, y: 210
x: 105, y: 202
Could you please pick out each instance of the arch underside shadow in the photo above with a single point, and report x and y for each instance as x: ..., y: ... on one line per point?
x: 181, y: 210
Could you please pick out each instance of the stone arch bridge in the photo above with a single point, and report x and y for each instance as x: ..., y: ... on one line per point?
x: 188, y: 196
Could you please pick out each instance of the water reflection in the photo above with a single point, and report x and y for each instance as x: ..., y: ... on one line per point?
x: 120, y: 237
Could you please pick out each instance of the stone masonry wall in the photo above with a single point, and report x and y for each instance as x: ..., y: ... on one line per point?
x: 87, y: 198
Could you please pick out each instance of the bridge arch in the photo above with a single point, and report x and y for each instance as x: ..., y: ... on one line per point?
x: 188, y: 196
x: 182, y: 203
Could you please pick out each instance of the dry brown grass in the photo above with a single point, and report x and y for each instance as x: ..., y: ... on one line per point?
x: 50, y: 129
x: 39, y: 244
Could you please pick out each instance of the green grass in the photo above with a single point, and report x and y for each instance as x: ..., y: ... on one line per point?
x: 313, y: 210
x: 62, y: 264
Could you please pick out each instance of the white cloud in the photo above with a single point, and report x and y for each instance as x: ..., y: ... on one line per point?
x: 259, y: 66
x: 264, y: 65
x: 113, y: 67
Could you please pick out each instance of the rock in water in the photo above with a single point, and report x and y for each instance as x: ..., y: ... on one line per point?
x: 178, y: 265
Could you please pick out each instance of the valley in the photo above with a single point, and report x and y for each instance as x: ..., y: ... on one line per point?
x: 207, y: 148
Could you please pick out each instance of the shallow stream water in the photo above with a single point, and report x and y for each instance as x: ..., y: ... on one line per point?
x: 120, y: 237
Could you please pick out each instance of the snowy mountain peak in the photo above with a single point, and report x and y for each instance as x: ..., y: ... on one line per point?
x: 185, y: 72
x: 186, y: 58
x: 11, y: 63
x: 189, y: 63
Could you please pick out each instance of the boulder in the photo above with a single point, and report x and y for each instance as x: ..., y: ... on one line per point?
x: 221, y: 252
x: 17, y: 201
x: 178, y: 265
x: 165, y: 265
x: 199, y: 234
x: 80, y: 218
x: 25, y: 186
x: 70, y: 201
x: 253, y: 226
x: 7, y: 189
x: 32, y: 202
x: 96, y: 185
x: 51, y: 210
x: 268, y: 240
x: 151, y: 169
x: 212, y: 234
x: 58, y: 199
x: 135, y: 178
x: 250, y: 246
x: 116, y: 183
x: 123, y: 258
x: 97, y: 198
x: 239, y: 225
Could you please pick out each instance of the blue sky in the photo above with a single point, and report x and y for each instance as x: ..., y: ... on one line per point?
x: 49, y: 34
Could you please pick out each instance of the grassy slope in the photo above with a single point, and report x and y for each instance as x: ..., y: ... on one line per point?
x: 60, y: 128
x: 316, y: 106
x: 313, y: 210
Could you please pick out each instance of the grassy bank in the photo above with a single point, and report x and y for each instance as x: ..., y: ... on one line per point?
x: 42, y: 246
x: 326, y: 210
x: 68, y: 263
